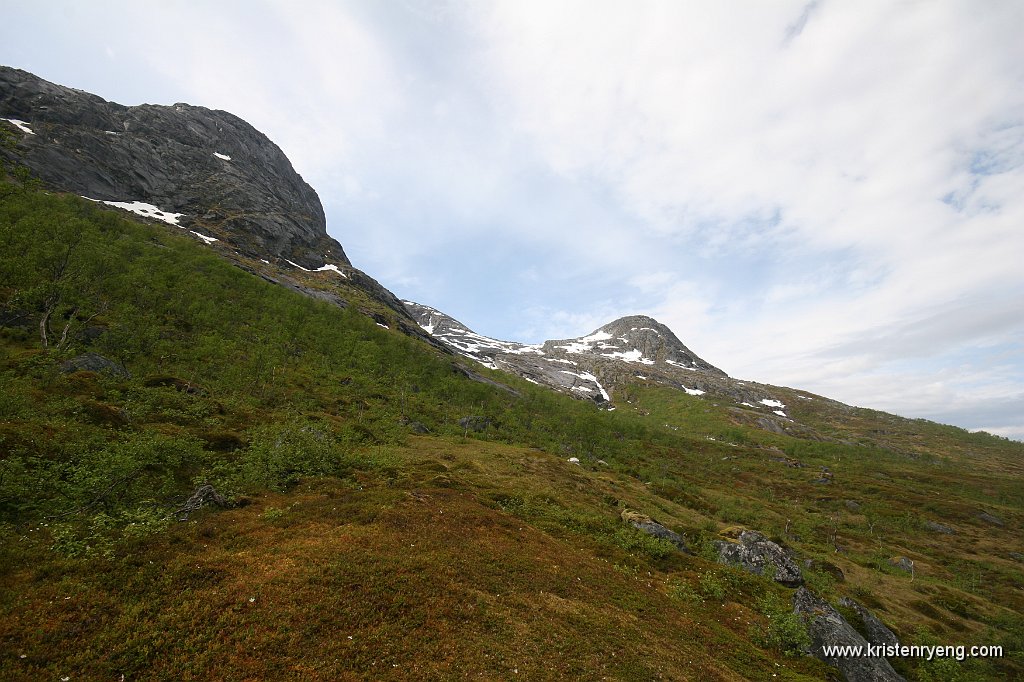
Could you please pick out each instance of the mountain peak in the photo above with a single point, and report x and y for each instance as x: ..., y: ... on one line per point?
x: 637, y: 339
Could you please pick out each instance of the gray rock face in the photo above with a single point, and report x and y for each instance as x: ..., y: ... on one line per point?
x: 827, y: 627
x: 877, y: 632
x: 757, y: 554
x: 211, y: 166
x: 648, y: 525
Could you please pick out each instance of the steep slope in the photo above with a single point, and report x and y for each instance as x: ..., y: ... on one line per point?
x: 506, y: 540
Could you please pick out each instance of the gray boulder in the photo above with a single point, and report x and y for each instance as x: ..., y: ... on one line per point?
x: 937, y: 527
x: 757, y: 554
x: 991, y: 519
x: 828, y: 628
x: 645, y: 523
x: 91, y: 362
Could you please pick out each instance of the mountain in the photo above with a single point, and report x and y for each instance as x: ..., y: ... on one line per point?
x: 615, y: 356
x: 205, y: 171
x: 224, y: 459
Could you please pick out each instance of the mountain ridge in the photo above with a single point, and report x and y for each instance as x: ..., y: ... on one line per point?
x: 601, y: 365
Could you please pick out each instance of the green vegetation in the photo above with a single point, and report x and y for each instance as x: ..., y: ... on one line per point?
x: 355, y: 549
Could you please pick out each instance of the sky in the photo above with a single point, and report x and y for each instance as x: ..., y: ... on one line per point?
x: 826, y: 195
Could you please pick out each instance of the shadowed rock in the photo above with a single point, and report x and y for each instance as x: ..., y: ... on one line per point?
x: 828, y: 628
x: 875, y: 630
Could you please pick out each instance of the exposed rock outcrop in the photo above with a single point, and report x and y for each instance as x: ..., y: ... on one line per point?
x: 828, y: 628
x: 757, y: 554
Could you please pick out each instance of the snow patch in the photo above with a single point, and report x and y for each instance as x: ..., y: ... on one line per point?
x: 585, y: 343
x: 630, y: 356
x: 20, y: 125
x: 143, y: 209
x: 681, y: 365
x: 297, y: 265
x: 332, y: 268
x: 223, y: 157
x: 208, y: 240
x: 693, y: 391
x: 780, y: 413
x: 379, y: 324
x: 772, y: 403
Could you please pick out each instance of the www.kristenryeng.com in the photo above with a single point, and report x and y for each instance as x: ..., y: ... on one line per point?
x: 929, y: 652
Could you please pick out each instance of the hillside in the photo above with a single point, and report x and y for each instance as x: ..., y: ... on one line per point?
x: 359, y: 500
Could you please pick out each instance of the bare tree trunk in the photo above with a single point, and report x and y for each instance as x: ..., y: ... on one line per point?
x: 44, y: 326
x: 64, y: 334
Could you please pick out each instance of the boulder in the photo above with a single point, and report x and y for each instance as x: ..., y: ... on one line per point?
x: 203, y: 496
x: 757, y: 554
x: 903, y: 563
x: 645, y: 523
x: 939, y: 528
x: 828, y: 628
x: 91, y: 362
x: 991, y: 519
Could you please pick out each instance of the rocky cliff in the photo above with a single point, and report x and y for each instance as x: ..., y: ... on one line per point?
x: 207, y: 172
x: 198, y: 168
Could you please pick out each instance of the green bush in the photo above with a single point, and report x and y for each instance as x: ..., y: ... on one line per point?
x: 786, y: 631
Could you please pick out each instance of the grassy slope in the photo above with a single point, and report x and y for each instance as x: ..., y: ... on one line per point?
x: 437, y: 555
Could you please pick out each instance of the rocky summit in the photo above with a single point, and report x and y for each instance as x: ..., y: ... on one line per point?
x: 204, y: 170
